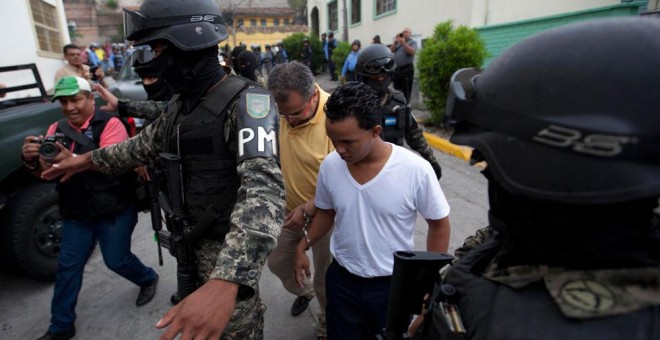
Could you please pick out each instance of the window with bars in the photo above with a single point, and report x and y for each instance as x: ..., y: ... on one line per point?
x: 385, y: 6
x: 276, y: 22
x: 286, y: 22
x: 253, y: 22
x: 356, y: 14
x: 333, y: 18
x: 263, y: 22
x: 46, y: 26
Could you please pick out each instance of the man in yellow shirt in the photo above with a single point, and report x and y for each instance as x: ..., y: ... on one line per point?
x: 303, y: 146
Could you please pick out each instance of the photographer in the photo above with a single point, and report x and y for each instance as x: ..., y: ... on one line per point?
x: 75, y: 66
x: 93, y: 206
x: 404, y: 49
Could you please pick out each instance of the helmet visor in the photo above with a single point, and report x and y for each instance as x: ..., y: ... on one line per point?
x: 143, y: 56
x: 379, y: 66
x: 135, y: 22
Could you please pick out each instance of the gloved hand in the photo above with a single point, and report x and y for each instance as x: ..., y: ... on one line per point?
x: 437, y: 169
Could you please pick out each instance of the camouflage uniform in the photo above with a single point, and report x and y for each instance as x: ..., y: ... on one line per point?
x: 255, y: 221
x: 587, y: 301
x: 415, y: 136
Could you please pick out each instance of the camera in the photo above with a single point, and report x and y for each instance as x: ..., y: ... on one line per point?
x: 401, y: 35
x: 48, y: 149
x: 92, y: 72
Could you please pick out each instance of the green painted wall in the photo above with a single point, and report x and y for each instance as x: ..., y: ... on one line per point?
x: 500, y: 37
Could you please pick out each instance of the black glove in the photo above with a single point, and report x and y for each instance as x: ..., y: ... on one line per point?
x: 437, y: 169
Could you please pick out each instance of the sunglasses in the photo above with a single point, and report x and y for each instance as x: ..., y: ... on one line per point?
x: 379, y: 65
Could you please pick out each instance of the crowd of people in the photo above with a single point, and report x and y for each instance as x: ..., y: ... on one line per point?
x: 273, y: 168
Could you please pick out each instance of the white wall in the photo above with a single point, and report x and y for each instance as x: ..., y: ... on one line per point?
x: 423, y: 15
x: 494, y: 12
x: 20, y: 46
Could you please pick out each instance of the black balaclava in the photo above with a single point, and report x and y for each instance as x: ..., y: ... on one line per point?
x: 247, y: 64
x: 158, y: 91
x: 576, y: 236
x: 190, y: 73
x: 380, y: 86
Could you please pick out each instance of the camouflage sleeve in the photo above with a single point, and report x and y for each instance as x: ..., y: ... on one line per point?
x: 255, y: 221
x: 138, y: 150
x: 141, y: 109
x: 417, y: 142
x: 472, y: 241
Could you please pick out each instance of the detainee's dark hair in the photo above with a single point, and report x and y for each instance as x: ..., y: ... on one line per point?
x: 354, y: 99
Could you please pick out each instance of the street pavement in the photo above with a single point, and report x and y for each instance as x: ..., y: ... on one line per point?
x: 106, y: 306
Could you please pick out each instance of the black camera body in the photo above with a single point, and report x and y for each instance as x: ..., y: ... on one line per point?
x: 48, y: 149
x: 92, y: 71
x: 401, y: 35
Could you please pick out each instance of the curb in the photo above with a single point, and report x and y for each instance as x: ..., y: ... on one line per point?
x: 462, y: 152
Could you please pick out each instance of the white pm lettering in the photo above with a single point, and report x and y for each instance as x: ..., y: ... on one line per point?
x: 196, y: 18
x: 246, y: 135
x: 595, y: 144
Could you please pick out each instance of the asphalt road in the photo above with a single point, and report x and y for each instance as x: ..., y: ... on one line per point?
x: 106, y: 306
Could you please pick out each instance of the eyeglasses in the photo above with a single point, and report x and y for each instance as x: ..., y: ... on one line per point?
x: 302, y: 112
x: 379, y: 65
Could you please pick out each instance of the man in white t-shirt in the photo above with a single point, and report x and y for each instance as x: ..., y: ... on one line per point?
x: 372, y: 191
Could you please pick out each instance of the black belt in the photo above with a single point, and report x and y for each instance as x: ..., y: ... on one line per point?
x: 345, y: 271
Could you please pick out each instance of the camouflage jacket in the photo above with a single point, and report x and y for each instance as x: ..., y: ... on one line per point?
x: 580, y: 294
x: 258, y: 214
x: 415, y: 136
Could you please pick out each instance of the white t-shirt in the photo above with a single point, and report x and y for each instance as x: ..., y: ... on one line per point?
x: 375, y: 219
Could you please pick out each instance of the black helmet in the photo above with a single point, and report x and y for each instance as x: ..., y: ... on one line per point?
x: 188, y: 24
x: 375, y: 60
x: 357, y: 42
x: 570, y: 114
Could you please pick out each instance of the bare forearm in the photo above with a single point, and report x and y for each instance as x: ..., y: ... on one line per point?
x: 437, y: 238
x: 320, y: 226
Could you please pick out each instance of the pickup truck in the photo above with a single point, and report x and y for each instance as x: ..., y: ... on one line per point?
x: 30, y: 221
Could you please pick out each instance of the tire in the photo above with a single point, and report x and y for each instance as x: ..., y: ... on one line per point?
x: 32, y: 231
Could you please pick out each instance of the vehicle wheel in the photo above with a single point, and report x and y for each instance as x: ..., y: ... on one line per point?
x: 32, y: 231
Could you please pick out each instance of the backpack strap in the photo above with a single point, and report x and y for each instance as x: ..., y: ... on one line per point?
x: 71, y: 133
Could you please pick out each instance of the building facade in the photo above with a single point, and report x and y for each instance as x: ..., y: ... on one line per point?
x: 362, y: 19
x: 34, y: 31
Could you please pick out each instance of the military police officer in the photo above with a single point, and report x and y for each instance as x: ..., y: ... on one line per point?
x: 224, y: 129
x: 571, y: 135
x: 375, y: 66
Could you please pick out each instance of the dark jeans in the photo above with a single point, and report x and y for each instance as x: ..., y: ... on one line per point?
x: 357, y: 306
x: 78, y: 241
x: 402, y: 79
x: 333, y: 71
x: 350, y: 76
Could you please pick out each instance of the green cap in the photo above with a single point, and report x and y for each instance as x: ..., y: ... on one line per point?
x: 69, y: 86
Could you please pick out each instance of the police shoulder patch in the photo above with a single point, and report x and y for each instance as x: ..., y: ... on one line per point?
x: 257, y: 105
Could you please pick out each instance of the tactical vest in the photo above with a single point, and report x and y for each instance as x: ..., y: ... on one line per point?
x: 208, y: 164
x: 395, y: 116
x: 490, y: 310
x: 90, y: 195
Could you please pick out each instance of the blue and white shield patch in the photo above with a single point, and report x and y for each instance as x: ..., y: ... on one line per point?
x: 258, y: 105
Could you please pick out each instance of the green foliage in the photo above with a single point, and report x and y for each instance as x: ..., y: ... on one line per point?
x: 448, y: 50
x: 112, y: 4
x: 339, y: 55
x: 293, y: 45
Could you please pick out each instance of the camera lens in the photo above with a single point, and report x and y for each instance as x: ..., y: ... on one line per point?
x: 48, y: 150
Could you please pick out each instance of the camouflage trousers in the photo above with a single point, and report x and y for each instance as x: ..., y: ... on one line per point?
x: 247, y: 322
